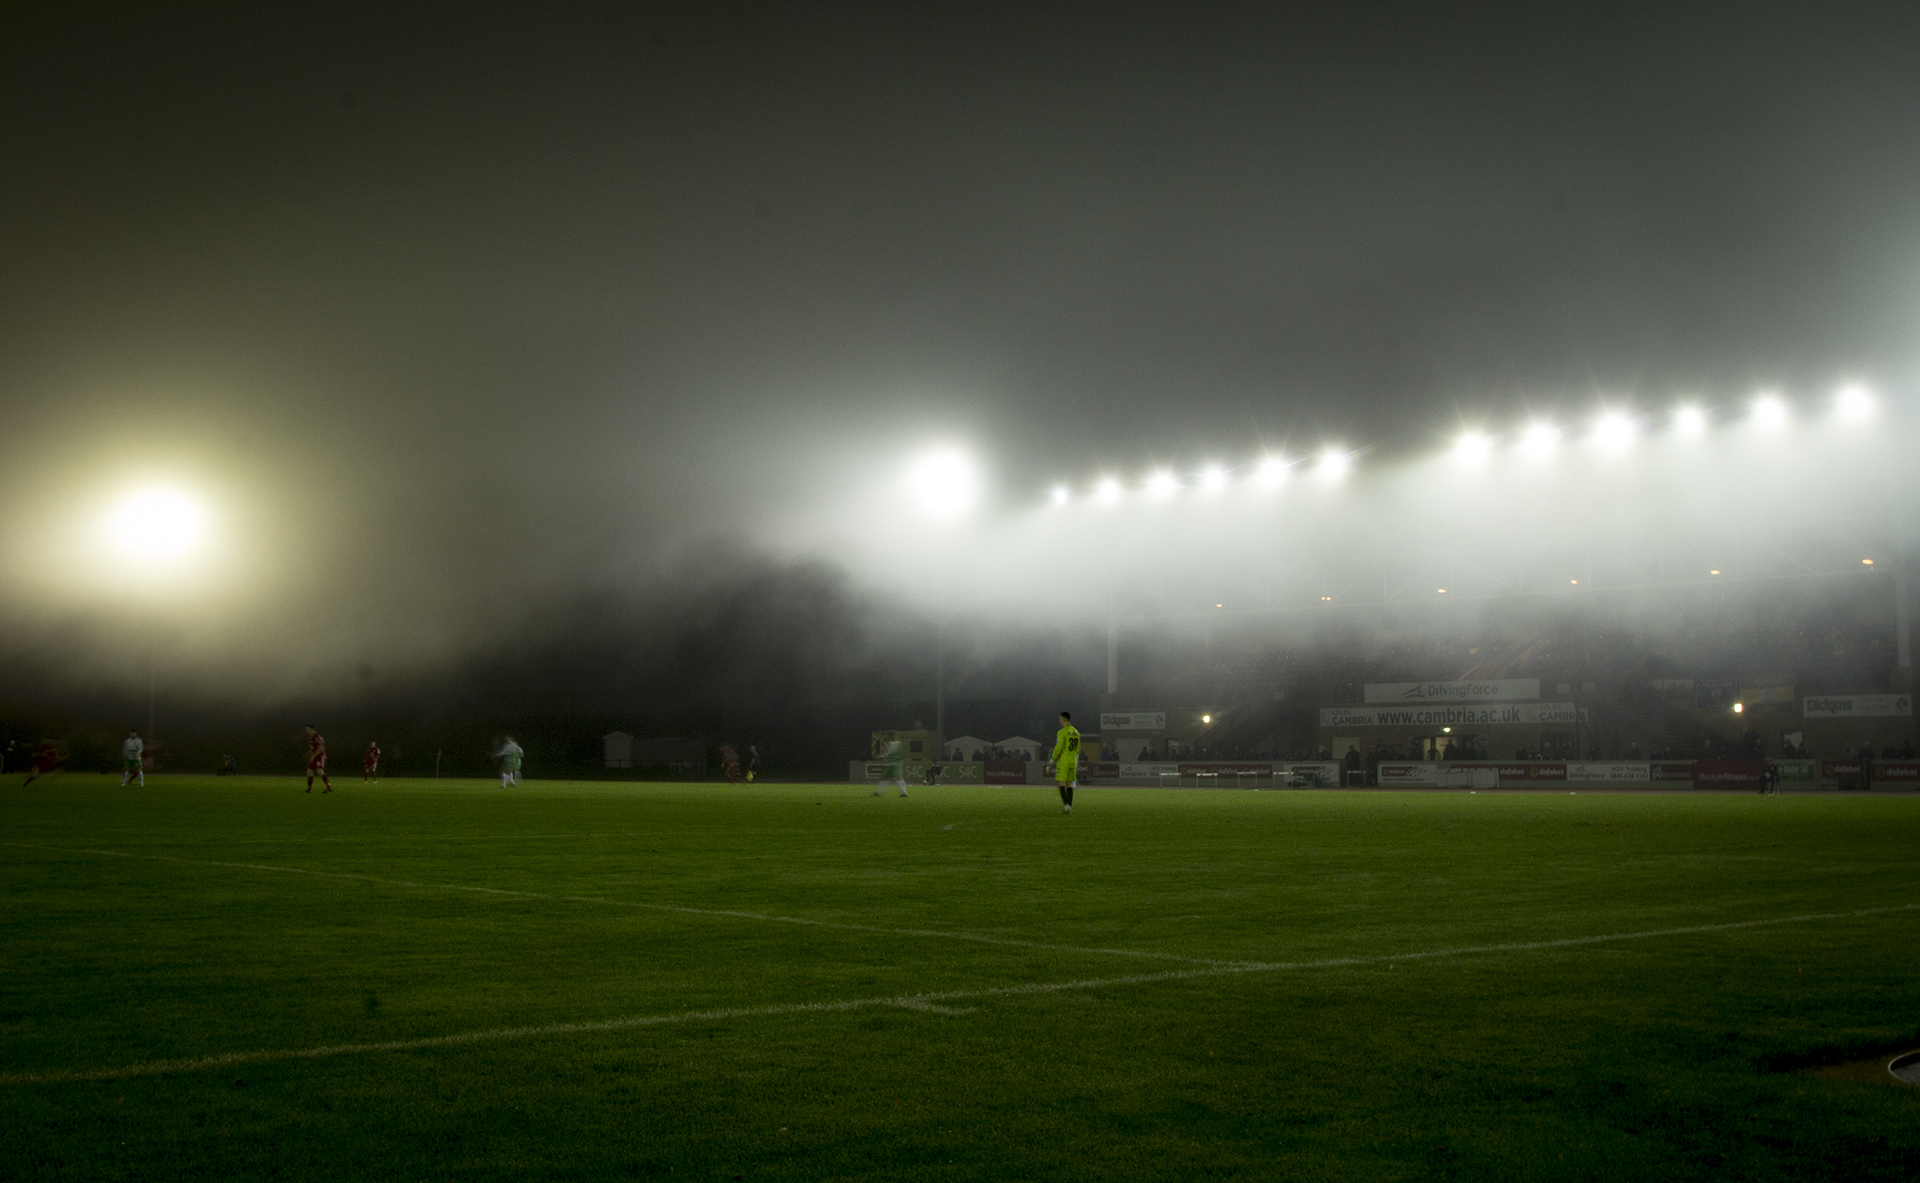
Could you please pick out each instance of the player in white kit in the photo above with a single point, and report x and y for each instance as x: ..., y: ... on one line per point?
x: 132, y: 753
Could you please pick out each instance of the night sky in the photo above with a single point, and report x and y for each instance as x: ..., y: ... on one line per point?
x: 465, y: 320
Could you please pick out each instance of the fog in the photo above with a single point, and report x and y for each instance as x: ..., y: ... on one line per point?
x: 588, y: 354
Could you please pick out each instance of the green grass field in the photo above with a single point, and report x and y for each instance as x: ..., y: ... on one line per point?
x: 443, y: 980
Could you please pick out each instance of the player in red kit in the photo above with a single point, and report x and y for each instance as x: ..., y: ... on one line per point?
x: 46, y: 758
x: 317, y: 760
x: 370, y: 763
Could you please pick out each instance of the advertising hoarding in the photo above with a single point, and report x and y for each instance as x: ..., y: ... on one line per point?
x: 1502, y: 690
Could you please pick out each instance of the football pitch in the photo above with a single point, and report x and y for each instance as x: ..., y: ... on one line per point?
x: 444, y: 980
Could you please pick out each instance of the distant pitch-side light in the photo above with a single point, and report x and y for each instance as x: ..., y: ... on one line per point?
x: 1213, y: 478
x: 1271, y: 472
x: 1060, y: 495
x: 1739, y: 707
x: 1613, y: 432
x: 1472, y: 448
x: 158, y: 525
x: 1690, y: 421
x: 1162, y: 484
x: 1715, y: 571
x: 944, y: 483
x: 1333, y: 463
x: 1107, y: 491
x: 1539, y: 440
x: 1867, y: 562
x: 1206, y: 718
x: 1442, y: 591
x: 1770, y: 412
x: 1854, y: 402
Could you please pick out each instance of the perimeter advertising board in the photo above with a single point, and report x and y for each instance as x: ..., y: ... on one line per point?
x: 1533, y: 770
x: 1501, y: 690
x: 1005, y: 772
x: 1133, y: 721
x: 1627, y: 773
x: 1900, y: 771
x: 1728, y: 774
x: 1425, y: 773
x: 1856, y: 706
x: 1443, y: 715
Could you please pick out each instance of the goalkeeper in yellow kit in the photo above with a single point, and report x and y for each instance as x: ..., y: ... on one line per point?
x: 1066, y: 760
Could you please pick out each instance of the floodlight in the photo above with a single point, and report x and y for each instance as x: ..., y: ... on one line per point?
x: 1442, y: 591
x: 1739, y: 707
x: 159, y: 525
x: 1060, y: 495
x: 1854, y: 402
x: 944, y: 483
x: 1715, y: 571
x: 1206, y: 718
x: 1690, y: 421
x: 1213, y: 479
x: 1107, y: 491
x: 1162, y: 484
x: 1866, y: 562
x: 1271, y: 472
x: 1539, y: 440
x: 1613, y: 432
x: 1333, y: 463
x: 1769, y: 412
x: 1472, y: 448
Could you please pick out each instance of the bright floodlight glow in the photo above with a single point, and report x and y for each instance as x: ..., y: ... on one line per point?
x: 1854, y: 402
x: 1539, y: 439
x: 1060, y: 495
x: 1271, y: 472
x: 1472, y: 448
x: 944, y: 484
x: 158, y: 525
x: 1213, y: 479
x: 1690, y: 421
x: 1769, y: 412
x: 1162, y: 484
x: 1333, y: 463
x: 1613, y: 432
x: 1107, y: 491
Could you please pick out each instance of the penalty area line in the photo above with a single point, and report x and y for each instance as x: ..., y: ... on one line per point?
x: 935, y: 1002
x: 679, y: 909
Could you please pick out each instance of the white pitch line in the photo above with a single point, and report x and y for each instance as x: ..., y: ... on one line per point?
x: 680, y: 909
x: 927, y: 1001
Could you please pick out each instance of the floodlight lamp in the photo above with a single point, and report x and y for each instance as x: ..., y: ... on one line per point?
x: 1060, y: 495
x: 1206, y: 718
x: 1613, y: 432
x: 1107, y: 491
x: 1161, y: 484
x: 1472, y: 448
x: 1333, y: 463
x: 1854, y: 402
x: 1213, y: 479
x: 158, y: 525
x: 1539, y: 440
x: 1690, y: 421
x: 1271, y: 472
x: 1867, y: 562
x: 1769, y: 412
x: 1447, y: 730
x: 1739, y: 707
x: 1715, y: 571
x: 944, y: 484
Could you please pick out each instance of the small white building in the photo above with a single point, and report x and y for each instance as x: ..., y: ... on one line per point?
x: 618, y: 748
x: 967, y: 745
x: 1026, y: 749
